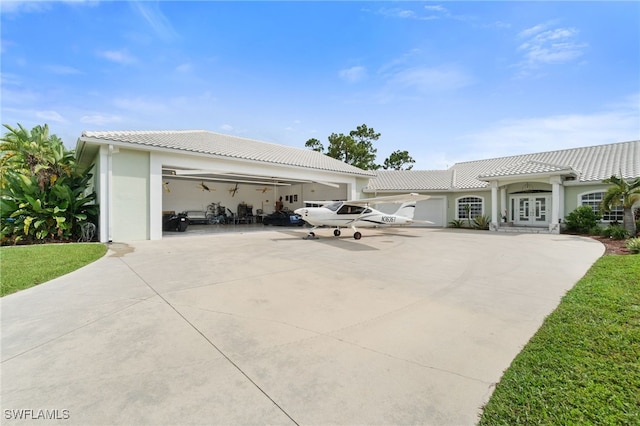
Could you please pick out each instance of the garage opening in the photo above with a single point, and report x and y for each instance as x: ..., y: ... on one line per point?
x: 232, y: 202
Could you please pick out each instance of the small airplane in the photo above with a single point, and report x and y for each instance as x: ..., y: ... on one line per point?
x: 205, y: 187
x: 233, y: 191
x: 357, y: 213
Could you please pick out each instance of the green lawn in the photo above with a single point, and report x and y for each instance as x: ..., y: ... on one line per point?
x: 583, y: 366
x: 25, y: 266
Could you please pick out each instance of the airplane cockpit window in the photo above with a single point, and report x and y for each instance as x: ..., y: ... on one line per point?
x: 333, y: 206
x: 347, y: 209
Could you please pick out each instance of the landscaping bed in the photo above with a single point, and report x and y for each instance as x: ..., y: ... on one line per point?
x: 613, y: 246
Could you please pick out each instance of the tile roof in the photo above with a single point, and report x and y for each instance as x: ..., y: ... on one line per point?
x: 217, y: 144
x: 589, y: 164
x: 526, y: 168
x: 411, y: 180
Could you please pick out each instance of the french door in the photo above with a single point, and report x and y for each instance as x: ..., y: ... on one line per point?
x: 530, y: 210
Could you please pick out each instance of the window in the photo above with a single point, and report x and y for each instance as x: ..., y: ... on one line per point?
x: 594, y: 200
x: 349, y: 209
x: 469, y: 207
x: 333, y: 206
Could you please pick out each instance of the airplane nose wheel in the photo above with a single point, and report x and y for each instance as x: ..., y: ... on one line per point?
x: 310, y: 236
x: 357, y: 235
x: 336, y: 232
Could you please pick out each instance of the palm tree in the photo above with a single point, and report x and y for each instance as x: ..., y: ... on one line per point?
x: 625, y: 194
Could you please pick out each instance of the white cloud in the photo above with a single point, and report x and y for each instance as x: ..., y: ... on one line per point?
x: 226, y: 127
x: 63, y: 69
x: 431, y: 79
x: 435, y: 12
x: 49, y: 116
x: 100, y: 119
x: 543, y: 46
x: 620, y: 123
x: 353, y: 74
x: 38, y: 6
x: 186, y: 67
x: 25, y: 6
x: 436, y: 8
x: 140, y: 105
x: 118, y: 56
x: 151, y: 12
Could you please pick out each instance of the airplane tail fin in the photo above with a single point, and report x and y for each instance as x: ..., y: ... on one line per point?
x: 407, y: 209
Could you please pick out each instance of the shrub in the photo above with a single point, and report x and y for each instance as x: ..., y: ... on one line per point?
x: 481, y: 222
x: 44, y: 194
x: 596, y: 230
x: 456, y: 224
x: 634, y: 245
x: 615, y: 232
x: 582, y: 220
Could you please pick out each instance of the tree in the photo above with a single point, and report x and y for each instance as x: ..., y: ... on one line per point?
x: 625, y: 194
x: 399, y: 160
x: 314, y: 145
x: 356, y: 148
x: 43, y: 193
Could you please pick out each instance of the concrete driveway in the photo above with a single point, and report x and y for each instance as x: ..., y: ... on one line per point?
x: 411, y: 326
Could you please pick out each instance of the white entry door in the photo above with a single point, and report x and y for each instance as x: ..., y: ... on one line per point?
x: 530, y: 210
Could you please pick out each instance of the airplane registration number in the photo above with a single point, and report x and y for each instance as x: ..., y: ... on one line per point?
x: 388, y: 219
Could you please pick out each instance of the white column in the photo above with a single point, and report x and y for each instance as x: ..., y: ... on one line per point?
x: 155, y: 197
x: 104, y: 193
x: 503, y: 201
x: 555, y: 203
x: 495, y: 208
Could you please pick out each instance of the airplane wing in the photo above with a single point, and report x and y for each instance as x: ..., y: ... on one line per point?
x: 403, y: 198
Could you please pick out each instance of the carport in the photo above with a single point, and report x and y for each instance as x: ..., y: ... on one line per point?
x: 138, y: 175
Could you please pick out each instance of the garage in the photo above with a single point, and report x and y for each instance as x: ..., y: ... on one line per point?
x: 140, y: 176
x: 433, y: 210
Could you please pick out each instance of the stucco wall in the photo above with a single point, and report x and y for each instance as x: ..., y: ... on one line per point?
x: 130, y: 195
x: 572, y: 193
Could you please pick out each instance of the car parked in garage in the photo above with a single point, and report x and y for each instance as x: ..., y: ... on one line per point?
x: 283, y: 218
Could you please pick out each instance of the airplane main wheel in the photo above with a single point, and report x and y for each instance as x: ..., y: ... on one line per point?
x: 336, y: 232
x: 357, y: 235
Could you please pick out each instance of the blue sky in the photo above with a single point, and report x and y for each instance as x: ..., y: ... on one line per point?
x: 446, y: 81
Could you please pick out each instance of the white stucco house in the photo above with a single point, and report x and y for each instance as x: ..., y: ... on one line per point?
x: 531, y: 192
x: 138, y: 175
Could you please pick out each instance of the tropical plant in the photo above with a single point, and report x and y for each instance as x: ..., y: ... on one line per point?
x: 582, y: 220
x: 615, y: 232
x: 456, y: 223
x: 634, y: 245
x: 624, y: 193
x: 481, y: 222
x: 43, y: 194
x: 467, y: 211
